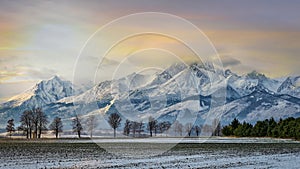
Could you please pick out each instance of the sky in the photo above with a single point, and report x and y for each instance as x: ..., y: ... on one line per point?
x: 40, y: 39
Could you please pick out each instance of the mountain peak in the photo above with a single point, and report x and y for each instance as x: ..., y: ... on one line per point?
x: 250, y: 94
x: 256, y: 75
x: 168, y: 73
x: 44, y: 92
x: 175, y: 68
x: 291, y: 83
x: 228, y: 73
x: 55, y: 78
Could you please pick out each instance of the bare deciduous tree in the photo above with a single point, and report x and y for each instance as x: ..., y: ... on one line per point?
x: 91, y: 124
x: 114, y: 121
x: 38, y: 122
x: 127, y: 127
x: 207, y: 130
x: 140, y: 128
x: 164, y: 127
x: 134, y: 127
x: 10, y: 128
x: 155, y: 129
x: 77, y: 127
x: 217, y: 126
x: 56, y: 126
x: 197, y: 130
x: 167, y: 127
x: 33, y: 122
x: 178, y: 127
x: 42, y: 121
x: 26, y: 123
x: 175, y: 128
x: 188, y: 128
x: 151, y: 125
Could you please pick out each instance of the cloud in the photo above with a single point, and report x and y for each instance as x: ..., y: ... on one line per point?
x: 229, y: 61
x: 42, y: 73
x: 42, y: 39
x: 108, y: 62
x: 19, y: 73
x: 7, y: 75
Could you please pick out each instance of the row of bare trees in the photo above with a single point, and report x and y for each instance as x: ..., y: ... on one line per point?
x: 178, y: 128
x: 34, y: 122
x: 133, y: 128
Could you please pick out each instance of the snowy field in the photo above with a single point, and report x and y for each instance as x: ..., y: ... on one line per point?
x: 214, y: 153
x: 175, y: 140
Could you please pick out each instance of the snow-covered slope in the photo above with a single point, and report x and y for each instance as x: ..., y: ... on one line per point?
x: 290, y: 86
x: 261, y: 105
x: 107, y: 89
x: 180, y: 92
x: 246, y: 84
x: 43, y: 93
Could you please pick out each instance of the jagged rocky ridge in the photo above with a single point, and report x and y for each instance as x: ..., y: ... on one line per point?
x: 180, y: 92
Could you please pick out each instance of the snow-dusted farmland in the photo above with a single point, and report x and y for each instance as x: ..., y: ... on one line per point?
x: 216, y: 153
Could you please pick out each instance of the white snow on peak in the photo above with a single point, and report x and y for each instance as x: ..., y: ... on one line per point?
x: 44, y: 92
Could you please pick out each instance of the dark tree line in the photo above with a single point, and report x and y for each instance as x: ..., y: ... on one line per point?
x: 287, y: 128
x: 34, y: 123
x: 131, y: 128
x: 135, y: 129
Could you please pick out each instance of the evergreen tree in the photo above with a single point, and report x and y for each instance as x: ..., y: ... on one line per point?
x: 227, y: 131
x: 297, y: 136
x: 260, y: 129
x: 243, y: 130
x: 271, y: 127
x: 287, y: 128
x: 235, y: 123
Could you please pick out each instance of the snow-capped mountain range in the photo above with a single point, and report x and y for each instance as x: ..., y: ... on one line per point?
x: 188, y: 93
